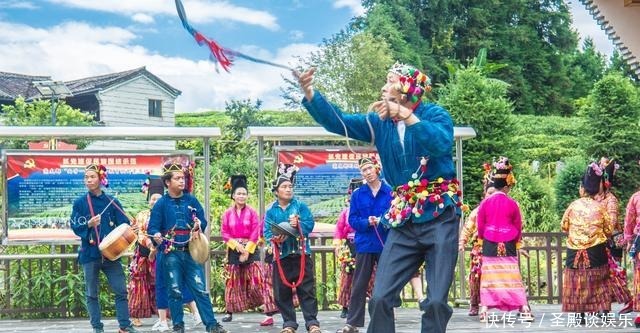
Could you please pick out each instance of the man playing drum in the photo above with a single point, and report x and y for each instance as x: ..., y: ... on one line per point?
x: 94, y: 216
x: 174, y: 219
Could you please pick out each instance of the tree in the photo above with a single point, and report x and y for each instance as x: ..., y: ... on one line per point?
x: 568, y: 182
x: 536, y: 199
x: 530, y: 37
x: 586, y: 68
x: 480, y: 102
x: 351, y: 68
x: 611, y: 127
x: 617, y: 64
x: 38, y: 113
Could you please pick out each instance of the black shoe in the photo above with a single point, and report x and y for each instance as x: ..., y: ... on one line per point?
x: 129, y: 329
x: 217, y: 329
x: 98, y: 330
x: 344, y: 313
x: 178, y: 329
x: 227, y: 318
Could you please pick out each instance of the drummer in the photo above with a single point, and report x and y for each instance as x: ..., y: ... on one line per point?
x: 94, y: 215
x: 174, y: 218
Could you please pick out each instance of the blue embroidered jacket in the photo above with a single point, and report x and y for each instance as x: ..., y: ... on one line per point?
x: 90, y: 237
x: 431, y: 137
x: 275, y: 214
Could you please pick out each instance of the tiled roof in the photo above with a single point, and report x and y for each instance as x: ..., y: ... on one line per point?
x: 94, y: 83
x: 13, y: 85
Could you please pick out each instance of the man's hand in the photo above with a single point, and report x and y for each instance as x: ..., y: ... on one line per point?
x: 305, y: 79
x: 196, y: 225
x: 524, y: 253
x: 157, y: 237
x: 94, y: 221
x: 373, y: 220
x: 390, y: 109
x: 294, y: 220
x: 279, y: 239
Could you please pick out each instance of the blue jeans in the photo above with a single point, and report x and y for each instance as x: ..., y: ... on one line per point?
x: 115, y: 277
x: 182, y: 271
x: 162, y: 292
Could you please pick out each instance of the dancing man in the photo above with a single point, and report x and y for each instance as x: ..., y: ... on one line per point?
x: 415, y: 143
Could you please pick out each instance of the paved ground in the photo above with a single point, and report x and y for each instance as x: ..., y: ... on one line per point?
x: 548, y: 319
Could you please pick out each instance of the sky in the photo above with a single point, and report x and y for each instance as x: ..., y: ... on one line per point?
x: 73, y: 39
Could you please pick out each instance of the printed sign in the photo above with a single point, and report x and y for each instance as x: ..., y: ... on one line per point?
x: 41, y: 187
x: 323, y: 177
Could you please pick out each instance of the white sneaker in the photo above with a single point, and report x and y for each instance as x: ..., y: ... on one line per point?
x: 196, y: 319
x: 160, y: 326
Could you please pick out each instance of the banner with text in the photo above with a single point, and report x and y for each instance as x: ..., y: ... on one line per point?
x: 323, y: 177
x: 41, y: 187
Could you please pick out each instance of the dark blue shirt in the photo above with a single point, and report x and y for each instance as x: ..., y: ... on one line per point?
x: 169, y: 212
x: 275, y: 214
x: 364, y: 204
x: 80, y: 216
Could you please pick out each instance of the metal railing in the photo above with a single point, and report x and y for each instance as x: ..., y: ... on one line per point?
x: 51, y: 284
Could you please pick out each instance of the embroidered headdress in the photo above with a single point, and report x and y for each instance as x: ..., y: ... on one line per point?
x: 101, y: 170
x: 186, y: 168
x: 152, y: 186
x: 235, y: 182
x: 592, y: 178
x: 284, y: 173
x: 610, y: 167
x: 412, y: 82
x: 502, y: 175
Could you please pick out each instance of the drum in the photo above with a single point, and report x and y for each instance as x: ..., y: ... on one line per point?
x: 117, y: 241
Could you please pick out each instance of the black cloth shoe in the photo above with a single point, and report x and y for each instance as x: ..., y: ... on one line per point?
x: 227, y: 318
x: 344, y: 313
x: 98, y: 330
x: 178, y: 329
x: 217, y: 329
x: 129, y: 329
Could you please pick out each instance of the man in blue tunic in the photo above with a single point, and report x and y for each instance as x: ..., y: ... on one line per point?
x: 292, y: 216
x: 368, y: 204
x: 415, y: 143
x: 92, y: 222
x: 173, y: 219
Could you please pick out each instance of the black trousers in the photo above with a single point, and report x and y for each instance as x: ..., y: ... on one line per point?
x: 306, y: 292
x: 436, y: 244
x: 365, y: 262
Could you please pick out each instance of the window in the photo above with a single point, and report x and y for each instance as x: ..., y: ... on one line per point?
x: 155, y: 108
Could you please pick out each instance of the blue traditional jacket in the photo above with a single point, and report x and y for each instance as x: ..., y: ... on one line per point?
x: 176, y: 214
x: 430, y: 138
x: 91, y: 237
x: 364, y: 204
x: 275, y: 214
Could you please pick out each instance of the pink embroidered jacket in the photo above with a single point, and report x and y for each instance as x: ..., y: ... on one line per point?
x: 241, y: 228
x: 499, y: 219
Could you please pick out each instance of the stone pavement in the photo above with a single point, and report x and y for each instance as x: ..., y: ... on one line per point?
x: 548, y: 319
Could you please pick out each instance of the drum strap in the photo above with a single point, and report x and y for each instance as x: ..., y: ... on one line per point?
x: 95, y: 228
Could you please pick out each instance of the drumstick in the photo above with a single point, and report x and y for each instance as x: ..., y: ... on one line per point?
x: 109, y: 204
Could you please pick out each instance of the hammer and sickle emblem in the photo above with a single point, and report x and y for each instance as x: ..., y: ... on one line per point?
x: 298, y: 159
x: 29, y: 164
